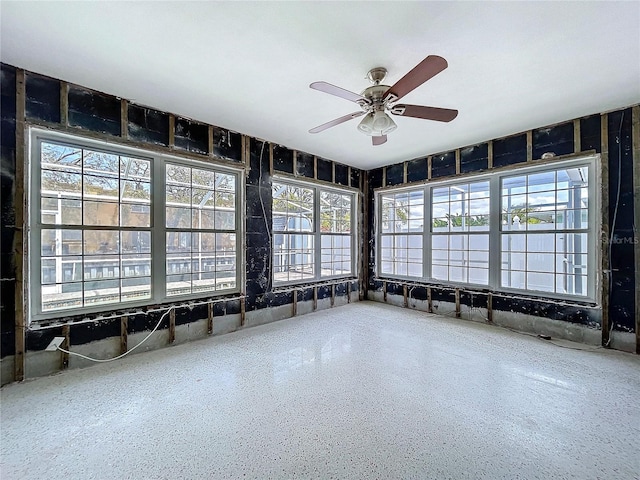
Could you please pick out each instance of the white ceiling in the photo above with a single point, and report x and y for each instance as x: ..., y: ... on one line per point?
x: 247, y: 66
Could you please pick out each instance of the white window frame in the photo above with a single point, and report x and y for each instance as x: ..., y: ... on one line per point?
x: 495, y: 233
x: 157, y: 227
x: 316, y: 233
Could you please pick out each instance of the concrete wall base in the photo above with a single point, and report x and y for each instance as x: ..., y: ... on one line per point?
x: 624, y: 341
x: 42, y: 363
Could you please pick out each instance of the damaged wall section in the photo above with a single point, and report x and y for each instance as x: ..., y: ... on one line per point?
x: 582, y: 135
x: 51, y: 103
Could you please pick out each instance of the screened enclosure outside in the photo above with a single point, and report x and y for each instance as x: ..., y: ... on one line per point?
x: 312, y: 232
x: 97, y: 225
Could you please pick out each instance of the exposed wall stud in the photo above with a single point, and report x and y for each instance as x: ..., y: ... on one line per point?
x: 405, y: 295
x: 457, y: 161
x: 124, y: 334
x: 333, y: 172
x: 244, y: 149
x: 210, y: 138
x: 429, y: 301
x: 606, y: 268
x: 333, y: 294
x: 490, y: 154
x: 295, y: 163
x: 315, y: 167
x: 172, y: 131
x: 210, y: 318
x: 384, y: 176
x: 429, y: 167
x: 577, y: 147
x: 404, y: 172
x: 363, y: 224
x: 294, y: 305
x: 348, y: 287
x: 67, y: 346
x: 243, y: 312
x: 172, y: 325
x: 124, y: 118
x: 18, y: 236
x: 384, y: 290
x: 529, y: 145
x: 271, y: 159
x: 457, y: 303
x: 64, y: 103
x: 490, y: 307
x: 315, y: 298
x: 635, y: 140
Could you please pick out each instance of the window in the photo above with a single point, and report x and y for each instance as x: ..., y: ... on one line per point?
x: 312, y: 232
x: 532, y: 229
x: 402, y: 229
x: 545, y: 230
x: 101, y: 228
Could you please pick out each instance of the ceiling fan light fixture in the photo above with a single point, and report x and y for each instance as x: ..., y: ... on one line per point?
x: 377, y: 124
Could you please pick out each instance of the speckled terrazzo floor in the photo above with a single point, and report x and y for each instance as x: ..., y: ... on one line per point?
x: 361, y: 391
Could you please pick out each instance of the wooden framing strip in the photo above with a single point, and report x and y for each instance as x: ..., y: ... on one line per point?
x: 606, y: 267
x: 384, y: 176
x: 295, y: 163
x: 490, y: 307
x: 333, y: 172
x: 348, y: 286
x: 405, y: 294
x: 457, y: 303
x: 244, y: 141
x: 210, y: 318
x: 577, y: 143
x: 429, y: 301
x: 172, y: 325
x: 315, y: 298
x: 429, y: 167
x: 490, y: 154
x: 363, y: 230
x: 333, y: 294
x: 384, y: 290
x: 349, y: 175
x: 271, y: 159
x: 315, y: 167
x: 529, y: 145
x: 210, y: 146
x: 172, y: 131
x: 66, y: 344
x: 64, y: 103
x: 243, y: 312
x: 404, y: 172
x: 124, y: 334
x: 18, y: 236
x: 457, y: 161
x: 294, y: 305
x: 124, y: 118
x: 635, y: 152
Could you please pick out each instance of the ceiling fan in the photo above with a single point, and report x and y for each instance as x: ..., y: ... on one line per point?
x: 377, y: 100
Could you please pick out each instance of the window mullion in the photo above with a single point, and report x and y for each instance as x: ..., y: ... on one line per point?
x: 158, y: 232
x: 495, y: 239
x: 317, y: 242
x: 426, y: 235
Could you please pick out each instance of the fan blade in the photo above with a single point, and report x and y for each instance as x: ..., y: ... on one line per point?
x: 426, y: 69
x: 379, y: 140
x: 428, y: 113
x: 338, y: 92
x: 335, y: 122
